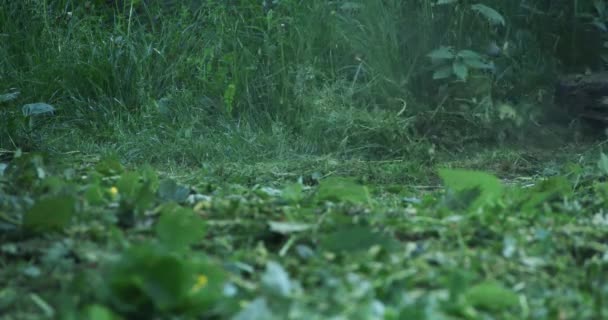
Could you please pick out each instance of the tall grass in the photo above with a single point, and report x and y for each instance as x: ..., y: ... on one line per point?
x: 345, y: 77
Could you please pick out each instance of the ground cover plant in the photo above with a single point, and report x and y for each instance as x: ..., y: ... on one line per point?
x: 291, y: 159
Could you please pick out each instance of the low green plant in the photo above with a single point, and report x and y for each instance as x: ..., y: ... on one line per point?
x: 457, y: 64
x: 152, y: 280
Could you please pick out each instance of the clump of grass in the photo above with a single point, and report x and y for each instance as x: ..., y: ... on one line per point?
x: 336, y: 124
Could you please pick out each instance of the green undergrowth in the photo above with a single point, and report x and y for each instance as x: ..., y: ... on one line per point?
x: 254, y: 160
x: 204, y: 80
x: 91, y: 238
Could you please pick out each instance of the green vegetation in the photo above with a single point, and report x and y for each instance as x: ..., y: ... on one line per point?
x: 368, y: 159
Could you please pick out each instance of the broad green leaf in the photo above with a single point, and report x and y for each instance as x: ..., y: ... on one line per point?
x: 98, y: 312
x: 147, y: 276
x: 109, y: 166
x: 149, y: 176
x: 128, y: 184
x: 53, y: 213
x: 32, y: 271
x: 416, y: 311
x: 341, y: 189
x: 355, y: 238
x: 276, y: 280
x: 548, y: 190
x: 489, y: 13
x: 474, y: 60
x: 457, y: 282
x: 490, y: 188
x: 461, y: 71
x: 469, y: 54
x: 153, y: 279
x: 293, y: 193
x: 443, y: 72
x: 95, y: 194
x: 491, y: 296
x: 288, y: 227
x: 443, y: 53
x: 8, y: 296
x: 256, y: 310
x: 169, y: 190
x: 478, y: 64
x: 134, y: 194
x: 145, y: 197
x: 461, y: 200
x: 165, y: 281
x: 179, y: 227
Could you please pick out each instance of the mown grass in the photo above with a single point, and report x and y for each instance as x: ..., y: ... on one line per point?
x: 281, y: 160
x: 391, y: 244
